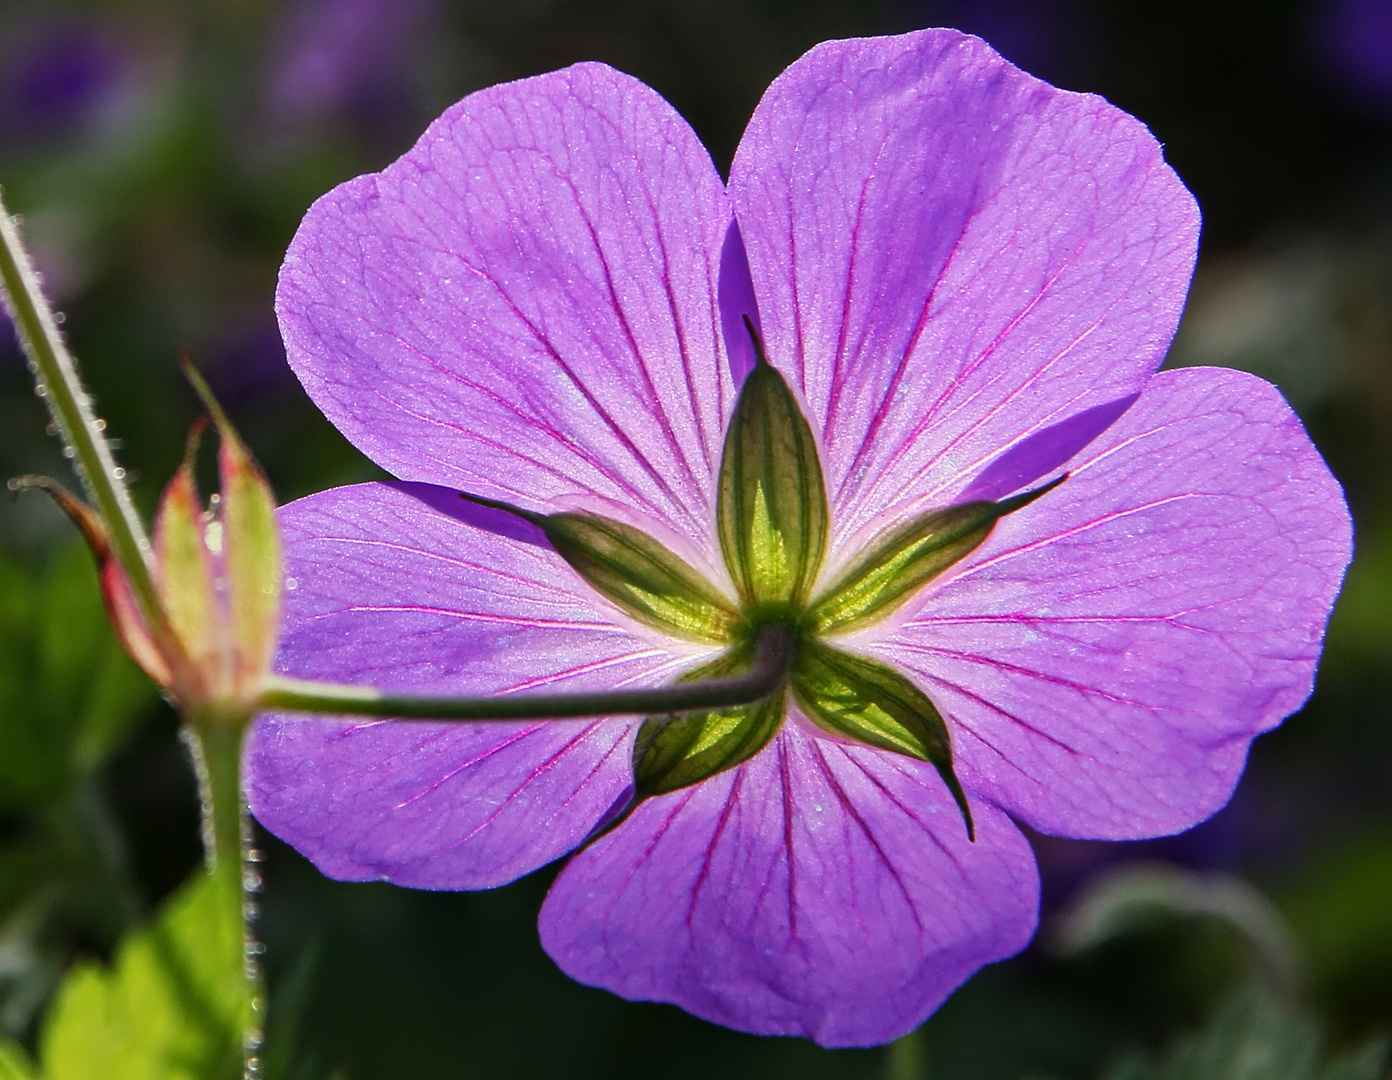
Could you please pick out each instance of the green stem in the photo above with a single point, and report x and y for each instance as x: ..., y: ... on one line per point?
x: 905, y: 1057
x: 773, y: 657
x: 216, y: 750
x: 215, y: 743
x: 56, y: 381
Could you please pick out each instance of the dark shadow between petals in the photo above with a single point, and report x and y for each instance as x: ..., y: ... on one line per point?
x: 1043, y: 452
x: 447, y: 501
x: 735, y: 295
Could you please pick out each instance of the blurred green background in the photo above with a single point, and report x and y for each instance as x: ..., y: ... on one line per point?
x: 162, y: 153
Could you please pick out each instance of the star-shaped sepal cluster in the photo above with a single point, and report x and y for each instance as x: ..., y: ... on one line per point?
x: 772, y: 522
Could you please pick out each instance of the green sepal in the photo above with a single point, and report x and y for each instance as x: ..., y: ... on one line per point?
x: 643, y: 576
x: 674, y: 751
x: 870, y: 702
x: 903, y: 559
x: 250, y: 544
x: 184, y: 568
x: 771, y: 512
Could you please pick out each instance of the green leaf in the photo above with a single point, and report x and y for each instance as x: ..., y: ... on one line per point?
x: 771, y: 512
x: 1251, y: 1037
x: 641, y: 575
x: 903, y: 559
x: 1339, y: 911
x: 1147, y: 896
x: 872, y: 703
x: 15, y: 1063
x: 674, y: 751
x: 68, y: 693
x: 173, y: 1005
x: 69, y: 697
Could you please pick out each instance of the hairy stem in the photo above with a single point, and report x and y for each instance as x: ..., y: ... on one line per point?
x: 215, y: 742
x: 773, y: 656
x: 56, y: 381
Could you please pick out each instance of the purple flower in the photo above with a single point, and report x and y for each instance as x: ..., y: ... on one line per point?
x: 968, y: 278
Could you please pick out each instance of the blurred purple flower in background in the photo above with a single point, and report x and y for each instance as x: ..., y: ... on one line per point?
x: 349, y: 59
x: 1355, y: 41
x: 248, y: 362
x: 969, y: 279
x: 64, y: 82
x: 56, y: 79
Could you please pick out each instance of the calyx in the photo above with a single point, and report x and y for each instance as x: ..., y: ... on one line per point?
x: 772, y: 523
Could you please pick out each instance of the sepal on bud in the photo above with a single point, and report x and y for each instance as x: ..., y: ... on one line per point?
x: 185, y: 580
x: 249, y: 539
x: 121, y: 607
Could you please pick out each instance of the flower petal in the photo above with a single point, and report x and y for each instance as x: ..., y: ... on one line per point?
x: 949, y: 256
x: 1106, y: 657
x: 819, y: 889
x: 397, y: 586
x: 523, y: 306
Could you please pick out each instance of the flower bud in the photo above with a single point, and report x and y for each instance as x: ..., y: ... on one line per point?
x: 210, y: 641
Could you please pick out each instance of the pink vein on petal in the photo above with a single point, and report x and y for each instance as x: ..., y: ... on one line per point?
x: 600, y: 665
x: 502, y: 744
x: 473, y: 616
x: 1001, y: 712
x: 725, y: 814
x: 786, y: 781
x: 534, y: 774
x: 677, y: 807
x: 654, y: 399
x: 855, y: 815
x: 1043, y: 542
x: 1042, y: 676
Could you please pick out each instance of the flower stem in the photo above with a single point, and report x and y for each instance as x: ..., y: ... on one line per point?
x: 215, y: 742
x: 773, y: 657
x: 56, y: 381
x: 904, y: 1057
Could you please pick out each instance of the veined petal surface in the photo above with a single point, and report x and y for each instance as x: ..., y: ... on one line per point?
x: 393, y: 587
x: 950, y: 255
x: 524, y: 305
x: 819, y: 889
x: 1107, y: 656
